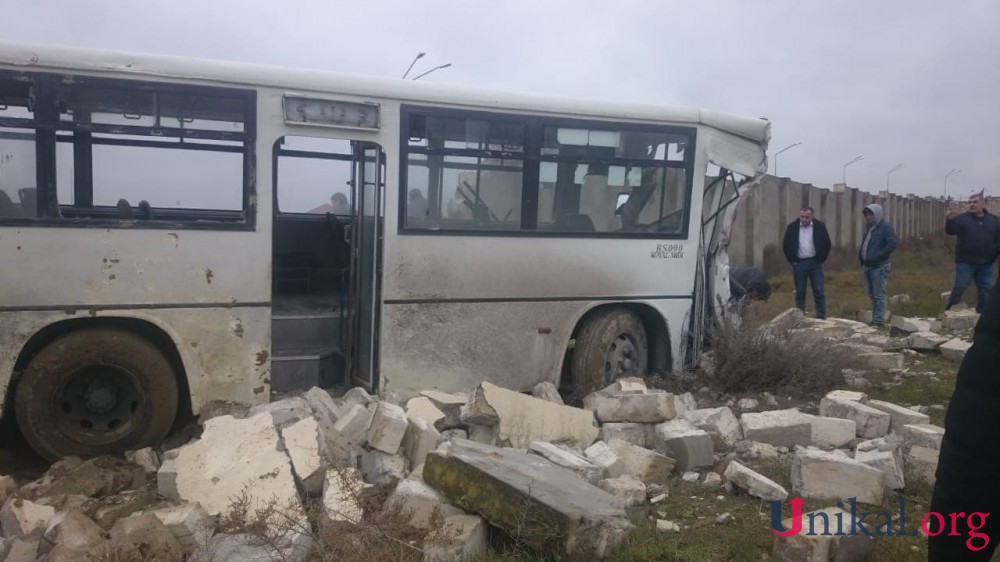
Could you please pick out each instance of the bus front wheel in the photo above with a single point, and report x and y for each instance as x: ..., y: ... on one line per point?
x: 611, y: 345
x: 94, y: 392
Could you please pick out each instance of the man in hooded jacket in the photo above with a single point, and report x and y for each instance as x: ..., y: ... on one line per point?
x: 877, y: 244
x: 967, y: 491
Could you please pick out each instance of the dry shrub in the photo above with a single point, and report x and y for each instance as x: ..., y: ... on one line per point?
x: 753, y: 357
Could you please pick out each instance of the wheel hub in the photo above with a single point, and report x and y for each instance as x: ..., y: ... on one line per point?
x: 621, y: 358
x: 99, y: 404
x: 100, y: 397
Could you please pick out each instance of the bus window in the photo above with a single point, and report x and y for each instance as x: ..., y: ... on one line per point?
x: 17, y: 146
x: 314, y: 175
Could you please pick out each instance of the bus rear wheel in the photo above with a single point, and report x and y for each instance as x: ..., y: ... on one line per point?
x: 94, y: 392
x: 611, y: 345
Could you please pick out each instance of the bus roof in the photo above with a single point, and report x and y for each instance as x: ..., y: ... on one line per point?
x: 63, y: 58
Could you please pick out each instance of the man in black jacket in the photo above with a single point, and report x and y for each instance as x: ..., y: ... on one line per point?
x: 975, y: 250
x: 967, y: 490
x: 806, y: 246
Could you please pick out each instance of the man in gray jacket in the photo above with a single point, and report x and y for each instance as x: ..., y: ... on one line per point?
x: 876, y: 246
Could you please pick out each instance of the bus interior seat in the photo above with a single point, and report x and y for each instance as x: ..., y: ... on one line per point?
x: 28, y: 197
x: 574, y: 222
x: 125, y: 209
x: 7, y: 206
x: 145, y: 210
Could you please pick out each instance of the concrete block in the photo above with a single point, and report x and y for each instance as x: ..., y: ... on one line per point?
x: 850, y: 395
x: 909, y: 325
x: 818, y: 474
x: 755, y: 484
x: 461, y: 538
x: 638, y: 434
x: 421, y: 438
x: 712, y: 480
x: 387, y: 428
x: 691, y: 447
x: 422, y: 502
x: 523, y: 419
x: 889, y: 462
x: 882, y: 360
x: 648, y: 466
x: 146, y: 535
x: 378, y: 467
x: 453, y: 434
x: 341, y: 494
x: 747, y: 404
x: 147, y: 458
x: 74, y: 532
x: 831, y: 432
x: 753, y: 450
x: 871, y: 423
x: 301, y: 440
x: 922, y: 435
x: 288, y: 410
x: 955, y: 349
x: 922, y: 463
x: 356, y: 396
x: 561, y: 457
x: 8, y: 488
x: 787, y: 320
x: 24, y: 519
x: 351, y: 430
x: 898, y: 415
x: 684, y: 402
x: 925, y: 341
x: 547, y: 391
x: 423, y: 407
x: 956, y: 320
x: 627, y: 488
x: 326, y: 413
x: 20, y: 550
x: 453, y: 406
x: 601, y: 455
x: 823, y: 539
x: 720, y: 423
x: 637, y: 408
x: 781, y: 428
x: 189, y: 523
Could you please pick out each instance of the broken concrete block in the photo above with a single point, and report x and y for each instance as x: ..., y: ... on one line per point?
x: 189, y: 523
x: 461, y: 538
x: 627, y: 385
x: 787, y: 320
x: 627, y: 488
x: 831, y: 432
x: 525, y: 494
x: 230, y: 455
x: 691, y: 447
x: 585, y: 469
x: 147, y: 458
x: 453, y: 406
x: 871, y: 423
x: 690, y: 477
x: 850, y: 395
x: 96, y: 477
x: 898, y: 415
x: 484, y: 434
x: 906, y: 326
x: 882, y: 360
x: 356, y: 396
x: 73, y: 531
x: 636, y: 408
x: 684, y: 402
x: 781, y: 428
x: 288, y: 410
x: 638, y: 434
x: 747, y: 404
x: 24, y: 519
x: 422, y: 407
x: 8, y: 488
x: 665, y: 526
x: 889, y: 462
x: 922, y: 463
x: 922, y: 435
x: 547, y: 391
x: 422, y: 503
x: 720, y: 423
x: 146, y: 535
x: 825, y: 536
x: 452, y: 434
x: 925, y: 341
x: 387, y: 428
x: 379, y: 467
x: 956, y: 320
x: 601, y: 455
x: 819, y: 474
x: 523, y: 419
x: 890, y: 442
x: 421, y: 438
x: 342, y: 489
x: 954, y: 350
x: 649, y: 466
x: 19, y: 550
x: 351, y: 430
x: 755, y: 484
x: 712, y: 480
x: 112, y: 508
x: 754, y: 450
x: 301, y: 440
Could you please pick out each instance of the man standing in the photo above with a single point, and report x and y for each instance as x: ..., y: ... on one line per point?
x: 806, y: 246
x: 976, y: 249
x: 877, y: 244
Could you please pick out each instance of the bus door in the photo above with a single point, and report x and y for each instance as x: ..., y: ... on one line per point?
x: 366, y: 264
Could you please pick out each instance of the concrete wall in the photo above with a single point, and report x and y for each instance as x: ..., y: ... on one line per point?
x: 767, y: 210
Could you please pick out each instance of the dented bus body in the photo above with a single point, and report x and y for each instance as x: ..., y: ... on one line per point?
x: 167, y: 243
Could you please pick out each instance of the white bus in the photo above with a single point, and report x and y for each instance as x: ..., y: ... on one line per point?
x: 176, y: 231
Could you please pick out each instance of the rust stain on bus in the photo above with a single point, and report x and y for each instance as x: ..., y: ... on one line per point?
x: 209, y: 275
x: 262, y: 357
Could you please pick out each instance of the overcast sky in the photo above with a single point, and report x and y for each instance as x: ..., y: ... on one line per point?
x: 915, y: 82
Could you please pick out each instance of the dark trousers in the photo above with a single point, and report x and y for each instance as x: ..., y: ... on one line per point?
x: 812, y: 271
x: 965, y: 274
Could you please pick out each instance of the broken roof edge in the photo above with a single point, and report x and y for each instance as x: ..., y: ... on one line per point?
x: 64, y: 58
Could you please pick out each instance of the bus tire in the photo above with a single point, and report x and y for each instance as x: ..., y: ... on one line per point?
x: 611, y: 345
x: 94, y: 392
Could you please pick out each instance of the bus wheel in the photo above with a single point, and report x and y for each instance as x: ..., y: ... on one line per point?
x: 94, y: 392
x: 611, y: 345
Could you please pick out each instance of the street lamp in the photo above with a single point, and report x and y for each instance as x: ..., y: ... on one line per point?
x: 858, y: 159
x: 446, y: 65
x: 779, y: 152
x: 946, y: 176
x: 415, y: 59
x: 896, y: 167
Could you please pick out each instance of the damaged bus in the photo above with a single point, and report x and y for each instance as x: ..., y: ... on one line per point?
x: 176, y: 232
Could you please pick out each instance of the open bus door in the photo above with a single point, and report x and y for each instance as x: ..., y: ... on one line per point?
x: 365, y: 290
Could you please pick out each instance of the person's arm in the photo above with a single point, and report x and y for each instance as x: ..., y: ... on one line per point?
x: 891, y: 242
x: 950, y: 224
x: 787, y: 244
x: 823, y: 242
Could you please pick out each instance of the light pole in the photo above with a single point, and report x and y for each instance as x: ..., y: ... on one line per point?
x: 946, y: 176
x: 889, y: 173
x: 779, y: 152
x: 858, y: 159
x: 419, y: 56
x: 446, y: 65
